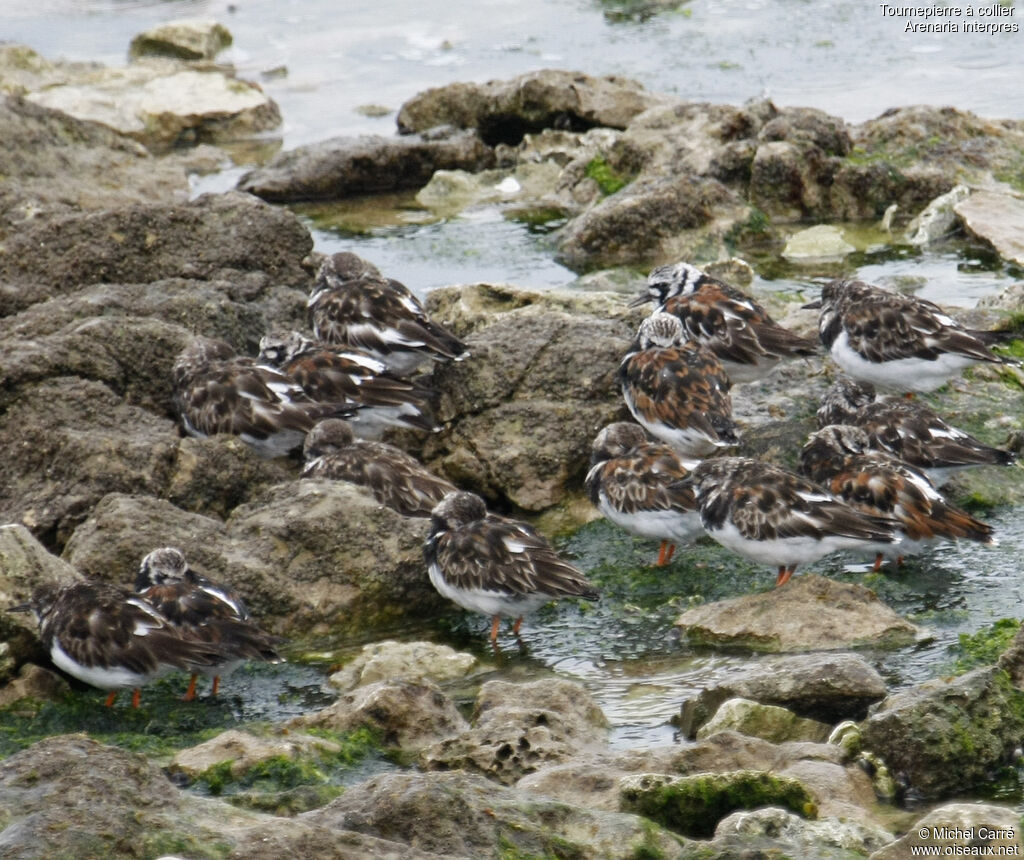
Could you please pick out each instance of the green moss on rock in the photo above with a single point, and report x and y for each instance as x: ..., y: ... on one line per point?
x: 984, y: 647
x: 693, y: 805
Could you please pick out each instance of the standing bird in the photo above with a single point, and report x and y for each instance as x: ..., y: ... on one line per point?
x: 747, y: 341
x: 771, y: 515
x: 896, y: 342
x: 336, y: 374
x: 352, y: 308
x: 908, y: 430
x: 495, y: 566
x: 217, y: 391
x: 678, y: 391
x: 203, y: 610
x: 639, y: 486
x: 395, y: 478
x: 113, y: 639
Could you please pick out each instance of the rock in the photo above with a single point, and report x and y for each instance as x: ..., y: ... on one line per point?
x: 518, y: 728
x: 770, y: 722
x: 162, y: 105
x: 947, y: 735
x: 409, y: 661
x: 817, y: 244
x: 996, y: 218
x: 241, y: 751
x: 32, y: 682
x: 1011, y: 660
x: 217, y: 236
x: 776, y: 832
x: 816, y: 614
x: 465, y: 815
x: 938, y: 219
x: 345, y: 166
x: 959, y: 829
x: 504, y: 111
x: 54, y: 163
x: 827, y: 686
x: 693, y: 805
x: 182, y: 39
x: 450, y: 191
x: 308, y: 556
x: 407, y: 715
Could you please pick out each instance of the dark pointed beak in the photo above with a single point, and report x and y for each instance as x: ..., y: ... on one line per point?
x: 21, y: 607
x: 642, y: 299
x: 812, y: 306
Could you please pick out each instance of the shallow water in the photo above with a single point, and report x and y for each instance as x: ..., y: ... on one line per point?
x: 842, y: 56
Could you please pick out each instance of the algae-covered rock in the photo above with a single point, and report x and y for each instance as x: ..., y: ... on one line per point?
x: 409, y: 661
x: 519, y: 728
x: 770, y: 722
x: 809, y: 613
x: 822, y: 243
x: 465, y: 815
x: 693, y: 805
x: 960, y: 829
x: 183, y: 39
x: 946, y: 735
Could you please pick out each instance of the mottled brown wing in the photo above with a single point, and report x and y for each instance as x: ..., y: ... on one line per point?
x: 500, y: 555
x: 648, y: 479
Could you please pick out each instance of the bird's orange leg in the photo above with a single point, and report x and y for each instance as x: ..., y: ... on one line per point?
x: 517, y: 625
x: 110, y: 698
x: 190, y: 693
x: 216, y: 684
x: 494, y: 628
x: 136, y: 697
x: 671, y: 552
x: 878, y: 563
x: 662, y: 553
x: 784, y: 574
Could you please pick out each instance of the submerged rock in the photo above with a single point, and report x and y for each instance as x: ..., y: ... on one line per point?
x: 945, y: 736
x: 408, y: 661
x: 817, y: 244
x: 809, y: 613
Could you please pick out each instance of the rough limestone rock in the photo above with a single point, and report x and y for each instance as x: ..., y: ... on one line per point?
x: 465, y: 815
x: 409, y: 661
x: 809, y: 613
x: 937, y: 219
x: 822, y: 243
x: 503, y: 111
x: 162, y: 105
x: 69, y: 796
x: 307, y: 555
x: 770, y: 722
x: 182, y: 39
x: 825, y: 686
x: 518, y: 728
x: 32, y: 682
x: 693, y: 805
x: 775, y: 831
x: 243, y: 750
x: 946, y: 735
x: 348, y: 166
x: 996, y: 218
x: 407, y: 715
x: 52, y: 162
x: 959, y: 829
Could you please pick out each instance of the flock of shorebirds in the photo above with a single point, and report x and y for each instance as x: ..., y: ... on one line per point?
x: 869, y: 476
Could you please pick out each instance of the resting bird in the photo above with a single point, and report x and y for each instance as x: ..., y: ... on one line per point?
x: 725, y: 320
x: 217, y: 391
x: 337, y: 374
x: 896, y: 342
x: 495, y: 566
x: 909, y: 430
x: 677, y: 391
x: 839, y: 458
x: 395, y: 478
x: 113, y: 639
x: 351, y: 308
x: 639, y: 486
x: 771, y: 515
x: 204, y: 610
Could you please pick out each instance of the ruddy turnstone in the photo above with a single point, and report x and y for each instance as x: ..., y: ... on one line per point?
x: 839, y: 457
x: 909, y: 430
x: 747, y: 341
x: 203, y: 610
x: 217, y: 391
x: 332, y: 374
x: 377, y: 315
x: 112, y: 639
x: 677, y: 390
x: 771, y: 515
x: 638, y: 485
x: 896, y: 342
x: 395, y: 478
x: 496, y: 566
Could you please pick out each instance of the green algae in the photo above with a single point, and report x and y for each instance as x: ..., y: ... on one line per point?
x: 984, y: 647
x: 608, y: 179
